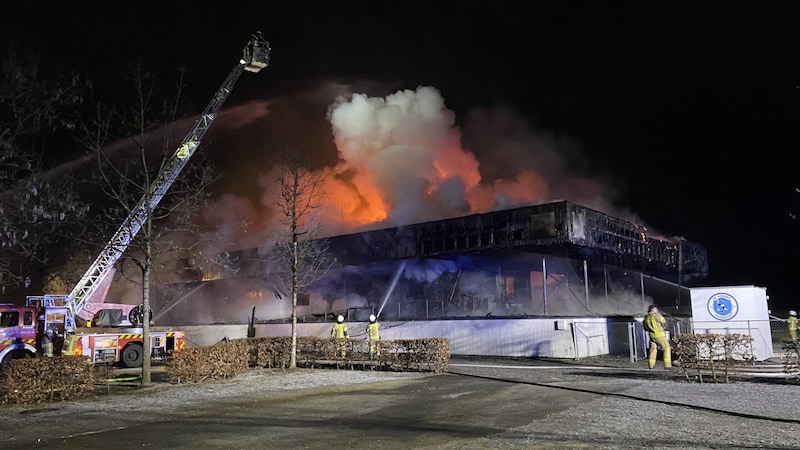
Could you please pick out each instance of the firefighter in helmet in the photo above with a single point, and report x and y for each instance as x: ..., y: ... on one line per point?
x: 47, y: 342
x: 792, y: 325
x: 340, y: 333
x: 374, y: 336
x: 654, y: 325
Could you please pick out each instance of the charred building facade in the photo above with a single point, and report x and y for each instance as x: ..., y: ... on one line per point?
x: 558, y: 228
x: 549, y: 259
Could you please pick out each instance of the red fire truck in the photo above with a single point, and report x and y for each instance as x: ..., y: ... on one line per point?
x: 117, y: 335
x: 24, y: 330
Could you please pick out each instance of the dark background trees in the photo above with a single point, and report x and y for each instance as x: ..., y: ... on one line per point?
x: 62, y: 151
x: 39, y: 208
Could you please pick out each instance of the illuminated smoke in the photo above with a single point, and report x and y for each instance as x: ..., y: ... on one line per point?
x: 399, y: 159
x: 404, y: 160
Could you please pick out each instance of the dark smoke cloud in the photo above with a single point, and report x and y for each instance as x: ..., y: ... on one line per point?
x: 402, y: 155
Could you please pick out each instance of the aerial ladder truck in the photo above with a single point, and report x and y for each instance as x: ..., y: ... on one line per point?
x: 23, y: 328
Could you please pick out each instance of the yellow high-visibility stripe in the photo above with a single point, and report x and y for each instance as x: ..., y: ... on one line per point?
x: 11, y: 341
x: 141, y: 336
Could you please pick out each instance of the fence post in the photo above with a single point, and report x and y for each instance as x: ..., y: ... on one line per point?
x: 544, y: 283
x: 574, y: 327
x: 632, y: 341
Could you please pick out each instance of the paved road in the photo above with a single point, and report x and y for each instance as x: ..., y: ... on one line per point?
x: 465, y: 409
x: 427, y: 412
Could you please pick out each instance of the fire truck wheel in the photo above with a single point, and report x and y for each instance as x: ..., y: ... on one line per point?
x: 132, y: 355
x: 9, y: 356
x: 136, y: 315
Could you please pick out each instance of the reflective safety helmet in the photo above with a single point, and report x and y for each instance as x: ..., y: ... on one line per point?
x: 340, y: 319
x: 372, y: 317
x: 792, y: 313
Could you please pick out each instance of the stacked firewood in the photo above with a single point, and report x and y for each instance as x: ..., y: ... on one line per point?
x: 714, y: 353
x: 269, y: 352
x: 310, y: 349
x: 218, y: 361
x: 791, y: 360
x: 37, y: 380
x: 416, y: 354
x: 431, y: 354
x: 230, y: 358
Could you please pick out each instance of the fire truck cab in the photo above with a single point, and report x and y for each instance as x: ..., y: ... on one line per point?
x: 18, y: 331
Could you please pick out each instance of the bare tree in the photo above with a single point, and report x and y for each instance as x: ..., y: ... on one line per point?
x: 38, y: 111
x: 300, y: 251
x: 128, y: 169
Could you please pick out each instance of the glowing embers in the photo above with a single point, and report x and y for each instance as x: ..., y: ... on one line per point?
x: 211, y: 276
x: 255, y: 293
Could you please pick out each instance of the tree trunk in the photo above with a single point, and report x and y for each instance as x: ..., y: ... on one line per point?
x: 148, y: 259
x: 293, y: 360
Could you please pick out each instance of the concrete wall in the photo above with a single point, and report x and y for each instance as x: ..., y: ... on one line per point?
x: 540, y: 337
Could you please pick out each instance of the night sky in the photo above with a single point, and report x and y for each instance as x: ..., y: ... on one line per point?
x: 685, y: 114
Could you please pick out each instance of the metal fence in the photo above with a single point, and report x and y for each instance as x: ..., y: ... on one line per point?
x: 637, y: 340
x: 626, y: 336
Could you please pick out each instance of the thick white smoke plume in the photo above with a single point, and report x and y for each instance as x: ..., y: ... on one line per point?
x: 405, y: 160
x: 399, y: 159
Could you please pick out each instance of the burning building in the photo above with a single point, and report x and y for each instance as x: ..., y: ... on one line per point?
x: 547, y: 259
x: 462, y: 222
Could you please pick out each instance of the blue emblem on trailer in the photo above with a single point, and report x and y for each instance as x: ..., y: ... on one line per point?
x: 723, y: 306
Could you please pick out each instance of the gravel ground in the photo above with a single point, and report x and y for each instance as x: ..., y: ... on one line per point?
x: 636, y: 407
x: 626, y: 408
x: 675, y: 415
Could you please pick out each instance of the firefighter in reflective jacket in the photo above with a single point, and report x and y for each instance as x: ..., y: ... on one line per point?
x: 374, y: 333
x: 340, y: 334
x: 47, y: 342
x: 792, y: 325
x: 654, y: 324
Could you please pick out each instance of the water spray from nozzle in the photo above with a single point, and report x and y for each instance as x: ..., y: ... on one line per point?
x: 391, y: 286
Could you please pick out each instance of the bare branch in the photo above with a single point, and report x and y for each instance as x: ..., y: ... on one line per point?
x: 298, y: 254
x: 35, y: 209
